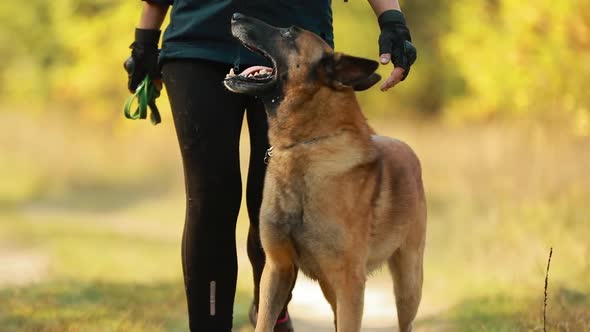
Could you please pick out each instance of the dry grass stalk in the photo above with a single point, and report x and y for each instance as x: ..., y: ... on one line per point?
x: 545, y: 299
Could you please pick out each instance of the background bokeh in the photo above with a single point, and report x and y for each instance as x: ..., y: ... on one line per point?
x: 497, y: 107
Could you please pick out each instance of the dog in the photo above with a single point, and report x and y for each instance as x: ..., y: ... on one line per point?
x: 338, y: 200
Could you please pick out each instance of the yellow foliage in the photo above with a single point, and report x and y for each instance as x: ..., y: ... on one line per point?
x: 520, y: 58
x: 477, y: 59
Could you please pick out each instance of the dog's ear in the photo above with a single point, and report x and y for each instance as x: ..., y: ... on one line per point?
x: 367, y: 83
x: 349, y: 71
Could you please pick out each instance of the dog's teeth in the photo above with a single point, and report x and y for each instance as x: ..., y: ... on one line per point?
x: 230, y: 74
x: 263, y: 72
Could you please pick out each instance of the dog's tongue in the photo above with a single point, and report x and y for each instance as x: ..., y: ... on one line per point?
x: 254, y: 69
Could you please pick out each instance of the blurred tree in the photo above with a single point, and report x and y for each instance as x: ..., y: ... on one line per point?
x: 29, y: 50
x: 477, y: 59
x: 66, y: 54
x: 438, y: 79
x: 520, y: 58
x: 432, y: 78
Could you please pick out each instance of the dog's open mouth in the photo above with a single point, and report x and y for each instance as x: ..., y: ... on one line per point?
x: 253, y: 74
x: 255, y: 79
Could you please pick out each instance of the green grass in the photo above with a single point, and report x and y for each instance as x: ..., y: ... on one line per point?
x: 499, y: 313
x: 94, y: 306
x: 499, y: 197
x: 69, y: 305
x: 101, y: 275
x: 100, y: 222
x: 113, y: 271
x: 568, y: 310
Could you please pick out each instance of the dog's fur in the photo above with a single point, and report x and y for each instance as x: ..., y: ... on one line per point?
x: 339, y: 201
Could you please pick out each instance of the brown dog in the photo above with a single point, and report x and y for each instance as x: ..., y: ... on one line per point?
x: 338, y: 200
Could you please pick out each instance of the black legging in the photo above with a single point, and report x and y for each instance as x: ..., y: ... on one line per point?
x: 208, y: 120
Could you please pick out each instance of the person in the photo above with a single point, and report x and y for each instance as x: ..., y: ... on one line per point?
x: 197, y: 52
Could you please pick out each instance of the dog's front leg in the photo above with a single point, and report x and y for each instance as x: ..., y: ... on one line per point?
x: 276, y: 283
x: 350, y: 293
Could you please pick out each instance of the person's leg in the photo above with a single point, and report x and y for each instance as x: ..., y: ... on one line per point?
x: 208, y: 121
x: 258, y: 127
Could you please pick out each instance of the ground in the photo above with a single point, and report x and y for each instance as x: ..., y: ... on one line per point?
x: 89, y: 243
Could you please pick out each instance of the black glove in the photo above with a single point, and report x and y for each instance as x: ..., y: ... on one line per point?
x: 144, y: 58
x: 395, y: 39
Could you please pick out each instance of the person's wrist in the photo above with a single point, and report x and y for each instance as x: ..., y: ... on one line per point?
x: 147, y: 36
x: 391, y: 17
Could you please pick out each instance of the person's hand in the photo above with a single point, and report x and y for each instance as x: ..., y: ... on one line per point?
x: 144, y: 58
x: 395, y: 46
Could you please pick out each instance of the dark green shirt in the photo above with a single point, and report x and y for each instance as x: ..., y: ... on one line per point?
x: 201, y: 28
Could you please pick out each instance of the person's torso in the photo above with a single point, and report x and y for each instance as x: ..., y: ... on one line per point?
x: 201, y: 28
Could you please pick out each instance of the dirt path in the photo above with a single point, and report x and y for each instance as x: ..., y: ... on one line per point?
x: 311, y: 312
x: 20, y: 267
x: 309, y: 304
x: 309, y: 309
x: 305, y: 326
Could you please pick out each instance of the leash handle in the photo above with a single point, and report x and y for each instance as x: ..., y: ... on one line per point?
x: 145, y: 94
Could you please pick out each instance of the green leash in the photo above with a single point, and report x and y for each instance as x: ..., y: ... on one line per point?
x: 146, y: 94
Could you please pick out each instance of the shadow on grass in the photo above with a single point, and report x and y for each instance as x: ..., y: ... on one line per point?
x: 98, y: 306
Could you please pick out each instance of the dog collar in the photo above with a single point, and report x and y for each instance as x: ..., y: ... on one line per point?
x: 269, y: 151
x: 268, y: 154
